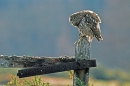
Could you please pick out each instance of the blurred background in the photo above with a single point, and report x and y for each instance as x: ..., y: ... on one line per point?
x: 42, y: 28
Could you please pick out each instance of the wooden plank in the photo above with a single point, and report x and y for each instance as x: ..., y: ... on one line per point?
x: 57, y: 67
x: 31, y: 61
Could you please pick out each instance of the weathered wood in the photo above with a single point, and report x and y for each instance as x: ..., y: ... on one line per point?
x: 58, y: 67
x: 82, y: 51
x: 31, y: 61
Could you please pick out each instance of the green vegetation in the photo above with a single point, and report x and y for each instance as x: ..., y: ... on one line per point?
x: 36, y: 81
x: 80, y: 83
x: 8, y: 70
x: 106, y: 73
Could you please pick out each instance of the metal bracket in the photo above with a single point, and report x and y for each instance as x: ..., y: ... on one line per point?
x: 57, y: 67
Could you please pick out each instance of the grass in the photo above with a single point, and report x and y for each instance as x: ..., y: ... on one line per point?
x: 36, y: 81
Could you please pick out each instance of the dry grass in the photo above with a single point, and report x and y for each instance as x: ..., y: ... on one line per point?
x: 54, y: 81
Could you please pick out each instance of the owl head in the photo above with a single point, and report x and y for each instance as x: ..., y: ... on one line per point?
x: 75, y: 18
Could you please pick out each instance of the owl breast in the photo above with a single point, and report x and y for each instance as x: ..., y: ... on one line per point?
x: 85, y: 30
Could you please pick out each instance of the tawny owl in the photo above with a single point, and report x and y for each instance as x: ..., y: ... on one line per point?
x: 87, y: 23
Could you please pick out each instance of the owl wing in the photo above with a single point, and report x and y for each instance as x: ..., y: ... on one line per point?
x: 93, y: 21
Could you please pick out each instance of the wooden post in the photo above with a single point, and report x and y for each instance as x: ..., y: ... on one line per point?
x: 82, y: 51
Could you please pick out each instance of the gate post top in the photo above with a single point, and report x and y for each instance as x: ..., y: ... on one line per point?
x: 82, y: 49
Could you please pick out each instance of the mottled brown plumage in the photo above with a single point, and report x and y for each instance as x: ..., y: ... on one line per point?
x: 87, y: 23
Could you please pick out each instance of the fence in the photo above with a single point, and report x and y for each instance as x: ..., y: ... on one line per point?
x: 35, y: 65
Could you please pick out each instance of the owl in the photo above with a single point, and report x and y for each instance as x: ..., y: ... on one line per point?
x: 88, y: 24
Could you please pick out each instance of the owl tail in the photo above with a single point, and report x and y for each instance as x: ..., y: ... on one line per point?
x: 99, y: 38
